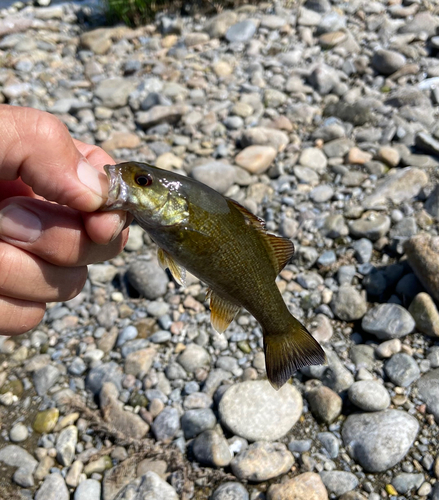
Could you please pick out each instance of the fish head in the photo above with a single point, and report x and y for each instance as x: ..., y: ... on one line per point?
x: 154, y: 196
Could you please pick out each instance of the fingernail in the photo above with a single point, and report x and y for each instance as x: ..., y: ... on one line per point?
x: 92, y: 178
x: 19, y: 224
x: 122, y: 219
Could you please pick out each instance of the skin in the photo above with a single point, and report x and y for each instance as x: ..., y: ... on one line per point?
x: 50, y: 189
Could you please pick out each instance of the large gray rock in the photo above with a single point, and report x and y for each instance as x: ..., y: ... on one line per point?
x: 388, y: 321
x: 348, y: 304
x: 428, y: 390
x: 380, y: 440
x: 247, y: 409
x: 53, y: 488
x: 402, y: 369
x: 149, y: 486
x: 148, y: 278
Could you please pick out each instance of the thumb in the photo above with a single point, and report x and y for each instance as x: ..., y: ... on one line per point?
x: 38, y: 148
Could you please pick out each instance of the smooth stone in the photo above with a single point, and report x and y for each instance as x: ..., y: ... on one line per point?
x: 194, y: 422
x: 322, y: 193
x: 348, y: 304
x: 127, y: 423
x: 45, y: 378
x: 148, y: 278
x: 230, y: 491
x: 211, y: 449
x: 18, y: 433
x: 120, y: 140
x: 265, y: 136
x: 89, y: 489
x: 388, y: 348
x: 98, y: 40
x: 262, y: 461
x: 53, y: 488
x: 403, y: 185
x: 339, y: 482
x: 334, y: 226
x: 336, y: 376
x: 161, y: 114
x: 330, y: 443
x: 306, y: 486
x: 139, y: 362
x: 66, y: 445
x: 423, y: 256
x: 256, y: 159
x: 402, y: 369
x: 379, y: 440
x: 404, y: 482
x: 149, y: 486
x: 216, y: 174
x: 363, y: 250
x: 387, y: 62
x: 428, y: 391
x: 325, y: 404
x: 369, y: 395
x: 251, y: 418
x: 431, y: 204
x: 218, y: 25
x: 388, y: 321
x: 114, y: 92
x: 166, y: 424
x: 425, y: 313
x: 241, y: 32
x: 372, y: 226
x: 15, y: 456
x: 194, y: 357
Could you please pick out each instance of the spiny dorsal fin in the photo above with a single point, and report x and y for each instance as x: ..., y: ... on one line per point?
x: 166, y: 261
x: 282, y: 250
x: 252, y: 219
x: 222, y: 312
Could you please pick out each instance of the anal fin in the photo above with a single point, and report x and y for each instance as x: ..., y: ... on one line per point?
x: 222, y: 312
x: 167, y: 262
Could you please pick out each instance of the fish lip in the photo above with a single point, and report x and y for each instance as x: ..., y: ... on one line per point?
x: 117, y: 191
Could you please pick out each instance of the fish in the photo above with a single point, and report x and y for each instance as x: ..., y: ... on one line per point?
x: 225, y: 246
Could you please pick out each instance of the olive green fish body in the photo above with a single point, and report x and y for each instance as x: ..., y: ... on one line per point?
x: 226, y: 247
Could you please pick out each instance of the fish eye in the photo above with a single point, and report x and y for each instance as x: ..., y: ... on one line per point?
x: 143, y: 180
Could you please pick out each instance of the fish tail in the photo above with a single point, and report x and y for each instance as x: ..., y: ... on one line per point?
x: 287, y: 352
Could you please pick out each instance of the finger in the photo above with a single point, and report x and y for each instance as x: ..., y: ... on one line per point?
x: 56, y: 233
x: 27, y: 277
x: 19, y: 316
x: 37, y: 147
x: 98, y: 224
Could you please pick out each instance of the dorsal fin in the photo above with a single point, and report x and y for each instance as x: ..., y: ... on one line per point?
x: 282, y: 250
x: 252, y: 219
x: 166, y: 261
x: 222, y: 312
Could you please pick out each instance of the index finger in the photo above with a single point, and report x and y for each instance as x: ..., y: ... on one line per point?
x: 37, y: 147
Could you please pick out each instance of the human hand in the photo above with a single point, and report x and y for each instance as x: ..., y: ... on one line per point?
x: 50, y: 188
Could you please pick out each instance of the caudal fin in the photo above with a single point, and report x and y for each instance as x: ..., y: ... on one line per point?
x: 286, y: 353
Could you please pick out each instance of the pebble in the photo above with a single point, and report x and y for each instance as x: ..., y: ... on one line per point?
x: 211, y: 449
x: 339, y: 482
x: 89, y: 489
x: 428, y: 390
x: 306, y: 486
x: 256, y: 159
x: 230, y: 491
x: 241, y: 32
x: 379, y: 440
x: 405, y: 482
x: 388, y: 321
x: 148, y: 278
x: 150, y: 485
x: 53, y: 488
x: 325, y: 404
x: 251, y: 418
x: 369, y: 395
x: 347, y: 304
x: 166, y: 425
x: 216, y: 174
x: 18, y: 433
x: 196, y: 421
x: 262, y: 461
x: 66, y: 445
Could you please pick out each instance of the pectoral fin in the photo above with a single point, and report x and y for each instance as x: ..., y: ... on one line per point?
x: 222, y: 312
x: 282, y: 250
x: 167, y: 262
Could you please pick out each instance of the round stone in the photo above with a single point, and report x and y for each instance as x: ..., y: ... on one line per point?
x: 388, y: 321
x: 348, y: 304
x: 230, y: 491
x: 307, y: 486
x: 256, y: 159
x: 402, y: 369
x: 379, y: 440
x: 369, y: 395
x: 212, y: 450
x: 18, y: 433
x: 387, y: 62
x: 252, y: 417
x: 339, y: 482
x: 371, y: 226
x: 425, y: 313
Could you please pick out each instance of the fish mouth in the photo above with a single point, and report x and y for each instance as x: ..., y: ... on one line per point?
x: 117, y: 191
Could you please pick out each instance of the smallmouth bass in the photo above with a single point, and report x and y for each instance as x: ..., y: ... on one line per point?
x: 226, y: 247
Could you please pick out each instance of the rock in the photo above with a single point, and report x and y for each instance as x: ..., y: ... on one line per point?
x: 127, y: 423
x: 106, y: 372
x: 401, y: 186
x: 371, y: 225
x: 323, y: 78
x: 324, y: 404
x: 193, y: 357
x: 387, y: 62
x: 89, y: 489
x: 18, y: 433
x: 114, y: 92
x: 363, y: 250
x: 390, y: 156
x: 194, y: 422
x: 66, y: 445
x: 431, y: 204
x: 336, y: 376
x: 230, y: 491
x: 262, y: 461
x: 369, y: 395
x: 256, y: 159
x: 330, y: 443
x: 98, y: 41
x: 264, y: 137
x: 53, y: 488
x: 219, y: 24
x: 211, y: 449
x: 241, y: 32
x: 196, y: 38
x: 15, y: 456
x: 148, y: 278
x: 119, y: 140
x: 339, y: 482
x: 402, y: 369
x: 388, y: 321
x: 322, y: 193
x: 251, y: 418
x: 43, y: 469
x: 428, y: 391
x: 139, y: 362
x: 166, y: 425
x: 150, y: 486
x: 75, y: 470
x: 422, y: 22
x: 161, y: 114
x: 314, y: 158
x: 215, y: 174
x: 425, y: 314
x: 379, y: 440
x: 334, y: 225
x: 45, y: 378
x: 388, y: 348
x: 423, y: 256
x: 405, y: 482
x: 307, y: 486
x: 348, y: 304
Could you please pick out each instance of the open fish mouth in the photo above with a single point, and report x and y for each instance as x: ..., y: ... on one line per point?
x: 117, y: 192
